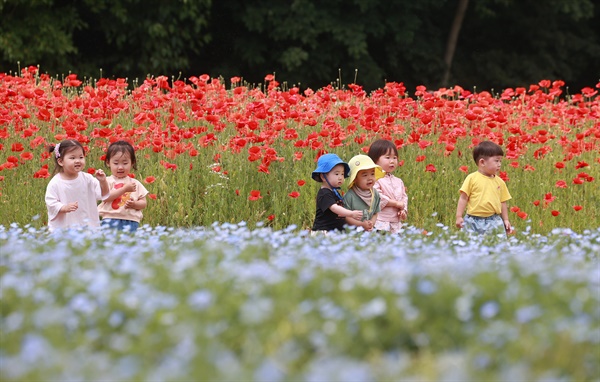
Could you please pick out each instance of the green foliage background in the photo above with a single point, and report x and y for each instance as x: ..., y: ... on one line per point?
x: 502, y: 43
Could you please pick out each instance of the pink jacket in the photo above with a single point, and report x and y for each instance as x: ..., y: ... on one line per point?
x: 390, y: 187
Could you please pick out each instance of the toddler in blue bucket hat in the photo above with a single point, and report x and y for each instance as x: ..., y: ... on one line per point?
x: 330, y: 215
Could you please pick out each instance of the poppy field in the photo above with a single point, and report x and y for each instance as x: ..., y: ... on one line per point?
x: 223, y: 281
x: 215, y: 152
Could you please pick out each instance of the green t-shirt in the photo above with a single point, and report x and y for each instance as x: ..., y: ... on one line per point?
x: 354, y: 202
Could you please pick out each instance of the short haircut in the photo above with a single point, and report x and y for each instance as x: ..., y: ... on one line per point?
x: 123, y: 147
x: 381, y: 147
x: 486, y: 149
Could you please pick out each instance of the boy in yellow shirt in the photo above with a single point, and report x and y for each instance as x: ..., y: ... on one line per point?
x: 484, y: 194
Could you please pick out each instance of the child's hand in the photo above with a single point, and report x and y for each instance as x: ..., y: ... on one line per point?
x: 130, y: 204
x: 508, y: 227
x: 356, y: 215
x: 130, y: 187
x: 460, y: 222
x: 100, y: 175
x: 402, y: 215
x: 70, y: 207
x: 368, y: 225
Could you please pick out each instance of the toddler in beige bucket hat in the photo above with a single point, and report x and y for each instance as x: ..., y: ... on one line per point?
x: 361, y: 195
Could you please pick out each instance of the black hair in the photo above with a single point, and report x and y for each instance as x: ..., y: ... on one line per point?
x: 486, y: 149
x: 120, y: 147
x: 64, y: 148
x: 381, y: 147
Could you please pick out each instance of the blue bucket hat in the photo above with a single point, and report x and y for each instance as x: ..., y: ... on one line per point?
x: 326, y: 163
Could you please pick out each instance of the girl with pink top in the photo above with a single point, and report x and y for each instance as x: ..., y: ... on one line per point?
x: 394, y: 201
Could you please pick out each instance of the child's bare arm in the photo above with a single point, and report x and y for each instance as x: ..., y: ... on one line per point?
x: 460, y: 209
x: 504, y: 215
x: 345, y: 213
x: 101, y: 176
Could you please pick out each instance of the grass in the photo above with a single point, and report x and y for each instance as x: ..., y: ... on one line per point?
x: 209, y: 132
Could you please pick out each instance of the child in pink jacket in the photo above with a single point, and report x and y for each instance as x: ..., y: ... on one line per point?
x: 394, y: 200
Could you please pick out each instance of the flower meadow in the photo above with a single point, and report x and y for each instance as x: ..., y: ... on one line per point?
x: 209, y: 152
x: 229, y: 302
x: 223, y: 280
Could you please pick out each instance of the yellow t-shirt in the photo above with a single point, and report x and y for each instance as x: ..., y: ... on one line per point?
x: 485, y: 194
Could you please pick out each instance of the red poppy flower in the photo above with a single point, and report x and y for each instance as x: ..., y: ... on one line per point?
x: 1, y: 178
x: 294, y: 194
x: 430, y: 168
x: 528, y: 168
x: 254, y: 153
x: 420, y: 158
x: 91, y: 170
x: 42, y: 173
x: 549, y: 198
x: 464, y: 169
x: 581, y: 165
x: 271, y: 217
x: 152, y: 196
x: 26, y: 155
x: 514, y: 164
x: 301, y: 182
x: 424, y: 144
x: 559, y: 165
x: 515, y: 209
x: 522, y: 214
x: 577, y: 208
x: 536, y: 203
x: 16, y: 147
x: 150, y: 179
x: 254, y: 195
x: 555, y: 213
x: 561, y: 184
x: 577, y: 181
x: 237, y: 192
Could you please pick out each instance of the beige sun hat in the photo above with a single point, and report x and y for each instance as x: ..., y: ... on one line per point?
x: 363, y: 162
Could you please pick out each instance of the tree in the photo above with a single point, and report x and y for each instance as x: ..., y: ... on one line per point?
x: 123, y: 37
x: 461, y: 9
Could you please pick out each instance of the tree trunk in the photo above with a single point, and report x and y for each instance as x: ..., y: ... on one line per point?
x: 459, y: 16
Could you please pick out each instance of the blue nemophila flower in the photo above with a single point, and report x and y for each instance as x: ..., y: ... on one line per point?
x: 239, y: 303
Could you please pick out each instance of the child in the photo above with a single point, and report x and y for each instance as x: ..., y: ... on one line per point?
x: 330, y: 214
x: 361, y: 195
x: 394, y: 200
x: 484, y: 194
x: 122, y: 209
x: 71, y: 194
